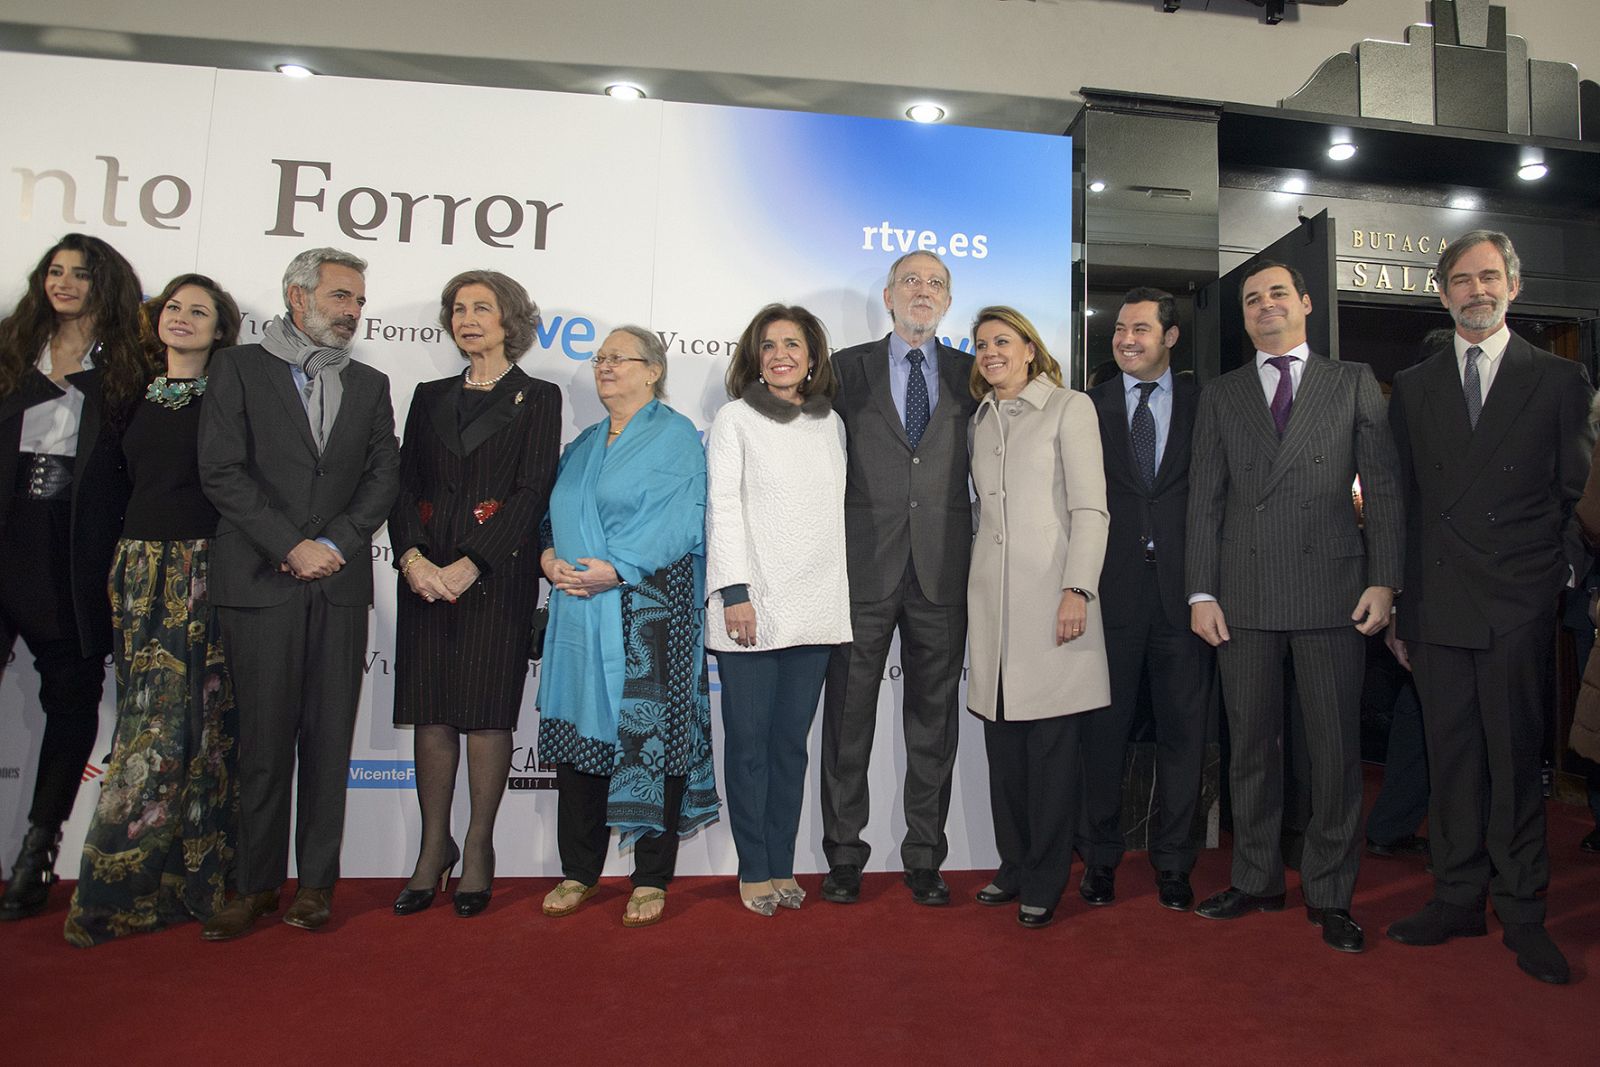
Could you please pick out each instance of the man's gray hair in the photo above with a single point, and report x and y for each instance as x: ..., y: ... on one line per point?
x: 1466, y: 242
x: 894, y: 268
x: 305, y: 270
x: 654, y: 353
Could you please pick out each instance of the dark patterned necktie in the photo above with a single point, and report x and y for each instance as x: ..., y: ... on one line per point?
x: 1143, y: 429
x: 1283, y: 399
x: 916, y: 399
x: 1472, y: 386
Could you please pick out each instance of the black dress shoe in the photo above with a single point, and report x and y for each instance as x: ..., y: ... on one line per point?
x: 1437, y: 923
x: 993, y: 896
x: 1036, y: 918
x: 1536, y: 953
x: 1174, y: 891
x: 1591, y: 841
x: 1099, y: 885
x: 472, y: 903
x: 411, y: 901
x: 842, y: 884
x: 1231, y: 903
x: 927, y: 887
x: 1409, y: 845
x: 1338, y: 929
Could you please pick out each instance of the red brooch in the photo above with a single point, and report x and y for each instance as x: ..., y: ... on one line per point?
x: 425, y: 509
x: 484, y: 510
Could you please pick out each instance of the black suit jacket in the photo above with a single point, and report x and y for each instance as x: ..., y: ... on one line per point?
x: 100, y: 490
x: 260, y: 466
x: 1138, y: 511
x: 1491, y: 531
x: 900, y: 504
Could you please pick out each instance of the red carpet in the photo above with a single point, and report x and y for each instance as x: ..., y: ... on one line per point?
x: 883, y: 981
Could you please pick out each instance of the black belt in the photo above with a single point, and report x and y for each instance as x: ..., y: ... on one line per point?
x: 43, y: 477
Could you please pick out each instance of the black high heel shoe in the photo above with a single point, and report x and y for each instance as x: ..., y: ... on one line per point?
x: 411, y: 901
x: 470, y: 904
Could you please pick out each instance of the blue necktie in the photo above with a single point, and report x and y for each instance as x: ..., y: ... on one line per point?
x: 916, y: 399
x: 1472, y: 386
x: 1143, y: 430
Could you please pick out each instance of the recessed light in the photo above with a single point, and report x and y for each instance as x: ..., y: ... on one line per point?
x: 1293, y: 185
x: 1464, y: 203
x: 1097, y: 186
x: 294, y: 70
x: 1088, y: 312
x: 1532, y: 172
x: 924, y: 112
x: 1341, y: 151
x: 624, y: 91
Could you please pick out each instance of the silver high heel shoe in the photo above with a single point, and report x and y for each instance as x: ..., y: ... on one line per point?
x: 766, y: 904
x: 790, y: 897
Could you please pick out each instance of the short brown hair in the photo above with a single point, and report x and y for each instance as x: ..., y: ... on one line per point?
x: 519, y: 315
x: 1043, y: 362
x: 745, y: 367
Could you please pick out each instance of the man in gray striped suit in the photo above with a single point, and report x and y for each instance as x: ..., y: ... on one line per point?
x: 1279, y: 566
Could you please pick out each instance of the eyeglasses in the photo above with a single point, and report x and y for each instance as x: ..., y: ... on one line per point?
x: 910, y: 282
x: 612, y: 361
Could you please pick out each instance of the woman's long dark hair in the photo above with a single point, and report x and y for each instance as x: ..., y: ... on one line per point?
x: 228, y: 320
x: 113, y: 306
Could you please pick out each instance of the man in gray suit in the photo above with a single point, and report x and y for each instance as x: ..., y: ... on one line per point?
x: 1280, y: 566
x: 905, y: 403
x: 298, y: 453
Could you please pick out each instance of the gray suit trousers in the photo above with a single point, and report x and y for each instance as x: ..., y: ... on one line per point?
x: 297, y: 669
x: 1328, y: 667
x: 933, y: 641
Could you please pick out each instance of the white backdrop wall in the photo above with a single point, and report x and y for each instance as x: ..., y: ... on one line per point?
x: 684, y: 218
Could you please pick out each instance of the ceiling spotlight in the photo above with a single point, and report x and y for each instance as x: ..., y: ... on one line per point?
x: 1532, y: 172
x: 1088, y: 312
x: 924, y: 112
x: 1293, y: 185
x: 1097, y: 186
x: 624, y: 91
x: 294, y: 70
x: 1341, y: 151
x: 1464, y: 203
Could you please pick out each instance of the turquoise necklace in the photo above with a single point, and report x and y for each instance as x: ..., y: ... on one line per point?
x: 176, y: 392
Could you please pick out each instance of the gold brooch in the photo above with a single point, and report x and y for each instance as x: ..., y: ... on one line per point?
x: 518, y: 400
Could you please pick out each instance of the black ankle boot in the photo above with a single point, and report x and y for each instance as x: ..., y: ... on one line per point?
x: 33, y: 874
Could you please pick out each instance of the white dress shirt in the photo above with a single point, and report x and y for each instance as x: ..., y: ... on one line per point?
x: 51, y: 428
x: 1493, y: 346
x: 1269, y: 374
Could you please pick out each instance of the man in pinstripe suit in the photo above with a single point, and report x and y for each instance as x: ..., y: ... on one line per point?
x: 1279, y: 567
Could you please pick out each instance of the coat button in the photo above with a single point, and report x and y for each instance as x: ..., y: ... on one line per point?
x: 1305, y: 504
x: 1491, y: 516
x: 1252, y: 551
x: 915, y: 460
x: 1261, y: 507
x: 1316, y: 459
x: 1249, y: 466
x: 1509, y: 467
x: 320, y: 472
x: 316, y: 520
x: 913, y: 503
x: 1438, y: 466
x: 1438, y: 563
x: 999, y: 450
x: 999, y: 539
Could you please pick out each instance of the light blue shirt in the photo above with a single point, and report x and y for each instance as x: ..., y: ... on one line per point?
x: 1160, y: 407
x: 900, y: 372
x: 300, y: 380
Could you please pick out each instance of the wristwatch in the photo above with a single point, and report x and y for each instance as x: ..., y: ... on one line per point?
x: 1087, y: 596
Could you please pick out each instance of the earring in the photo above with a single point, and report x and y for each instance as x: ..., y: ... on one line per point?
x: 762, y: 378
x: 809, y: 372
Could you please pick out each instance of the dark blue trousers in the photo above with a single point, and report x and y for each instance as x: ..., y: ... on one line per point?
x: 768, y: 702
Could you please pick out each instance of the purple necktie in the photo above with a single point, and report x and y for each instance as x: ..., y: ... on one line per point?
x: 1283, y: 399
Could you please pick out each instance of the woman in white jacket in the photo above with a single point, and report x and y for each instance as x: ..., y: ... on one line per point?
x: 775, y: 566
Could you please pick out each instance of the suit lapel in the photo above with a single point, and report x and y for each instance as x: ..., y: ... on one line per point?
x: 951, y: 386
x: 87, y: 383
x: 1179, y: 428
x: 509, y: 393
x: 1250, y: 405
x: 1514, y: 382
x: 1120, y: 456
x: 442, y: 412
x: 282, y: 378
x: 876, y: 366
x: 34, y: 388
x: 351, y: 405
x: 1447, y: 409
x: 1311, y: 402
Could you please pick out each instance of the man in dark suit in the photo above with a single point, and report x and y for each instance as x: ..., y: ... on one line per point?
x: 1279, y: 566
x: 905, y: 403
x: 1494, y: 451
x: 1146, y: 419
x: 297, y: 452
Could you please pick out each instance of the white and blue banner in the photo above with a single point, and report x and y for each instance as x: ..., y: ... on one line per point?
x: 683, y: 218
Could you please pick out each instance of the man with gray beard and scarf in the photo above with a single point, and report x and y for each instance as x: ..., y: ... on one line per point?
x: 298, y: 453
x: 1494, y: 450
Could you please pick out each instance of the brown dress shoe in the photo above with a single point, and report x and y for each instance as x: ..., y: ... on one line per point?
x: 311, y: 908
x: 239, y: 914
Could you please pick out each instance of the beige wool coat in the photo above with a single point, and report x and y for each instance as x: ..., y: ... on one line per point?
x: 1042, y: 519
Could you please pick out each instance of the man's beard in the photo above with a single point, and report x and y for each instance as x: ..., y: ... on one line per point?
x: 1481, y: 318
x: 319, y: 328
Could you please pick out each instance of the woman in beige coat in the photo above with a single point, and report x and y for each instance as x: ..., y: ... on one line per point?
x: 1035, y: 642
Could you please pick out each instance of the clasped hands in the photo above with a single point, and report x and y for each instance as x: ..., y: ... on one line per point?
x: 586, y: 578
x: 310, y: 560
x: 432, y: 582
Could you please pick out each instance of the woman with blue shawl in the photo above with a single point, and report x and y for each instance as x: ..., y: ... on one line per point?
x: 624, y: 708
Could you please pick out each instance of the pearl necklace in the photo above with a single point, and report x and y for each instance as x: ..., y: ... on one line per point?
x: 466, y: 378
x: 174, y: 394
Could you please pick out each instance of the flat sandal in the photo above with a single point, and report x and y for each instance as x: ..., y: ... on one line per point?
x: 566, y: 890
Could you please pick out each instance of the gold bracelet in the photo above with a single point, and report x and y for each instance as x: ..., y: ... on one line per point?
x: 407, y: 564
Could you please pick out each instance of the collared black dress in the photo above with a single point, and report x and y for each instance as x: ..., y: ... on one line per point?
x: 475, y: 479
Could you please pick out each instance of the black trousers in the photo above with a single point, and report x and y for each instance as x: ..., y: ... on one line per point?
x: 1483, y: 711
x: 582, y: 832
x: 36, y: 604
x: 933, y: 641
x: 1403, y: 801
x: 1033, y: 796
x: 296, y: 670
x: 1179, y: 664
